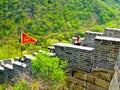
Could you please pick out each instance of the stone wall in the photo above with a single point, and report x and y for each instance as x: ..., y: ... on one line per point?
x: 112, y: 32
x: 99, y: 80
x: 18, y: 68
x: 11, y: 68
x: 102, y: 54
x: 115, y: 82
x: 89, y: 40
x: 107, y: 50
x: 98, y: 52
x: 80, y: 58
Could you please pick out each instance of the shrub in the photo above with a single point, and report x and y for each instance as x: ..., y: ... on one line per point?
x: 21, y: 85
x: 2, y: 87
x: 49, y: 68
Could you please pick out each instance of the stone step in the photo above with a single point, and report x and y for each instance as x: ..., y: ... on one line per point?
x: 112, y: 39
x: 74, y: 46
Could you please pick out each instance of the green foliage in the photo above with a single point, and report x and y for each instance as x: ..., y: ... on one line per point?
x: 42, y: 17
x: 2, y: 87
x: 82, y: 34
x: 51, y: 42
x: 51, y: 21
x: 33, y: 48
x: 98, y: 28
x: 21, y: 85
x: 8, y: 51
x: 49, y: 68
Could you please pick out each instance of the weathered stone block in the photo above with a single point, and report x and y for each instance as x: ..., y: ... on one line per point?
x: 8, y: 72
x: 112, y: 32
x: 90, y: 78
x: 77, y: 87
x: 76, y: 81
x: 7, y: 61
x: 91, y: 86
x: 101, y: 83
x: 80, y: 75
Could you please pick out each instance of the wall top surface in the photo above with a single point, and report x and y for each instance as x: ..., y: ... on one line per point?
x: 112, y: 29
x: 74, y: 46
x: 107, y: 38
x: 93, y: 32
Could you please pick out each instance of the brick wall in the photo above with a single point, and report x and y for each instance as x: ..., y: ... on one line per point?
x: 107, y: 50
x: 78, y: 57
x: 112, y: 32
x: 97, y: 50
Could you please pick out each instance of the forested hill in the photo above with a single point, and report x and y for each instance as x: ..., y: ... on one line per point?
x: 55, y: 20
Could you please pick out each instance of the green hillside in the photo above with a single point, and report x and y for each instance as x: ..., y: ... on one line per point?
x: 51, y: 21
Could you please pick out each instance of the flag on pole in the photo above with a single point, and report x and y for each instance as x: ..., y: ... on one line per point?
x: 25, y: 39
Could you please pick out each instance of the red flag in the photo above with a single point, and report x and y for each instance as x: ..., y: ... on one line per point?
x: 25, y: 39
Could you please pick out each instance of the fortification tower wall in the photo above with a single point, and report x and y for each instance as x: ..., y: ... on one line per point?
x: 104, y: 49
x: 106, y: 53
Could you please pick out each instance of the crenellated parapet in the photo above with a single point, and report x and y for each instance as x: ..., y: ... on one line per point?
x: 13, y: 68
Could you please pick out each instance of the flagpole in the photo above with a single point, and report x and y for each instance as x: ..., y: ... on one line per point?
x: 21, y: 47
x: 21, y: 52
